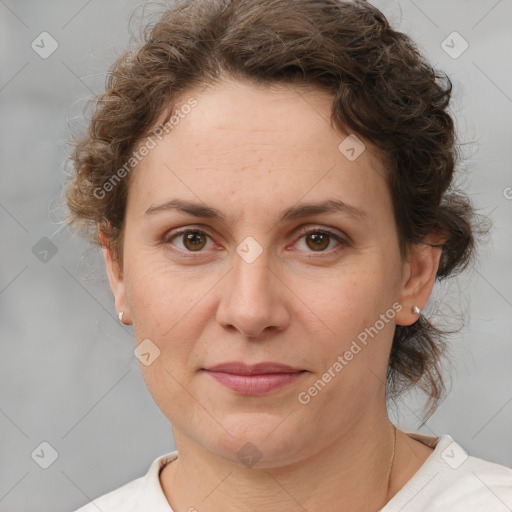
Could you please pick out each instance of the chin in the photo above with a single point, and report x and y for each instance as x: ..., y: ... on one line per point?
x: 261, y: 441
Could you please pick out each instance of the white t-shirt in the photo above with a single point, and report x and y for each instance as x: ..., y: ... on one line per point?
x: 448, y: 481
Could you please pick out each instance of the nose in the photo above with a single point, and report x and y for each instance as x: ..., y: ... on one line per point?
x: 253, y: 299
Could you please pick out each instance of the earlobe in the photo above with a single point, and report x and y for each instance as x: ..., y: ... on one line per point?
x: 117, y: 284
x: 421, y: 270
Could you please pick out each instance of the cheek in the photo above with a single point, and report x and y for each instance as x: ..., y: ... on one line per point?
x: 166, y: 308
x: 165, y: 304
x: 358, y: 322
x: 352, y: 299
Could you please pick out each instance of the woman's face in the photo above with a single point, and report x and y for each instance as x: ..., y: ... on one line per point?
x: 221, y: 264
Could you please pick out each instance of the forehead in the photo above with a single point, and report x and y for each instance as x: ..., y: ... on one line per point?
x: 263, y: 141
x: 232, y: 111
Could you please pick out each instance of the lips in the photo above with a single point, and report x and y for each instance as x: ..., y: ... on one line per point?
x: 256, y: 379
x: 254, y: 369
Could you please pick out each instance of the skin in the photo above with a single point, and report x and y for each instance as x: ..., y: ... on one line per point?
x: 252, y: 152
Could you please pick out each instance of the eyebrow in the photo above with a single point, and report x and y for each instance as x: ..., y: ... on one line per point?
x: 297, y: 211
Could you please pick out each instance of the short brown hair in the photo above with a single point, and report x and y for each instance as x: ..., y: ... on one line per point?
x: 383, y: 90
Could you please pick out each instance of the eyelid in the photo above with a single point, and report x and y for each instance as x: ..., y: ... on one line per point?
x: 338, y: 235
x: 173, y: 233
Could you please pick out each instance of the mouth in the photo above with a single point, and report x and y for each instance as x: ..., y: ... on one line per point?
x: 255, y: 380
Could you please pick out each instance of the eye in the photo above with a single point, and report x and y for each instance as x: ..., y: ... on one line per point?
x: 193, y: 240
x: 196, y: 240
x: 318, y: 240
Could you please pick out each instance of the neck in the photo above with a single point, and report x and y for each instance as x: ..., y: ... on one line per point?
x: 354, y: 471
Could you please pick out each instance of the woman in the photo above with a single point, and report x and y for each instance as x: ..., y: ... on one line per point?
x: 271, y: 183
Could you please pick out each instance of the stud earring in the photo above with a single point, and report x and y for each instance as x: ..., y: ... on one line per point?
x: 120, y: 315
x: 416, y: 310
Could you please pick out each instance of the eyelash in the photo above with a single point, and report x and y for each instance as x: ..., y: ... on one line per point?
x: 342, y: 241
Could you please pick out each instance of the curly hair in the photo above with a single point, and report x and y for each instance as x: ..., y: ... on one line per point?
x: 383, y: 90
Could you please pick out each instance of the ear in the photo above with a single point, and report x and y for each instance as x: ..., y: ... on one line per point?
x: 116, y: 280
x: 419, y: 275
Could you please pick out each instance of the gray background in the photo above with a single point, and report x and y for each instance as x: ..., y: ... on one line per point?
x: 67, y: 372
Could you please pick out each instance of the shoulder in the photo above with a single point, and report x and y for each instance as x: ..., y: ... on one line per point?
x: 475, y: 482
x: 144, y: 493
x: 125, y: 498
x: 453, y: 480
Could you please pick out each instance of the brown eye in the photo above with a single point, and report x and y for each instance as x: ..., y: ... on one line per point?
x: 321, y: 241
x: 188, y: 240
x: 194, y: 240
x: 318, y: 241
